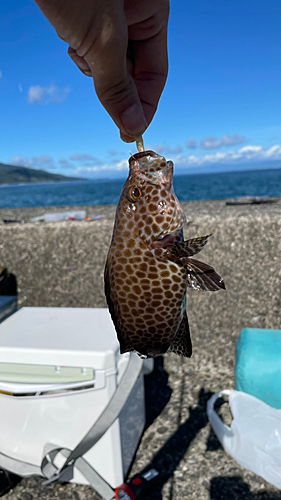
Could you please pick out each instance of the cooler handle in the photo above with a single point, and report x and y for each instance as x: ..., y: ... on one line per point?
x: 17, y: 388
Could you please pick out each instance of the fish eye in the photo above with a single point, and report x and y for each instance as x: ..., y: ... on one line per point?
x: 134, y: 193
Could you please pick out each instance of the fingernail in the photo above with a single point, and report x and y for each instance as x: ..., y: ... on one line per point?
x: 133, y: 120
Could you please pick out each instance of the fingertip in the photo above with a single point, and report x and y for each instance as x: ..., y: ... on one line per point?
x: 126, y: 138
x: 133, y: 121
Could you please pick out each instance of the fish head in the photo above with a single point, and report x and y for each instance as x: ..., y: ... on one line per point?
x: 148, y: 198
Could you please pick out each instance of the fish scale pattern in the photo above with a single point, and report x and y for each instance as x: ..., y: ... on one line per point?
x: 145, y: 283
x: 145, y: 290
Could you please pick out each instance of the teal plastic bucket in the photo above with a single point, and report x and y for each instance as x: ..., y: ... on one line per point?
x: 258, y: 364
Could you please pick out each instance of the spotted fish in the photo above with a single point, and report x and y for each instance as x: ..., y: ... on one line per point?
x: 149, y: 265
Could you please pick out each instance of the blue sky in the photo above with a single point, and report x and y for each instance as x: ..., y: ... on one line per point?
x: 220, y: 109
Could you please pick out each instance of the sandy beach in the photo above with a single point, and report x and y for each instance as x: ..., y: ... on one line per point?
x: 61, y: 264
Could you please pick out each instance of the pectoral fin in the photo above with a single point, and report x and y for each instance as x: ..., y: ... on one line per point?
x: 181, y: 343
x: 190, y: 247
x: 200, y: 276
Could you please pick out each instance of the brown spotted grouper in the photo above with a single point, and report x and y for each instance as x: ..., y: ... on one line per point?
x: 149, y: 267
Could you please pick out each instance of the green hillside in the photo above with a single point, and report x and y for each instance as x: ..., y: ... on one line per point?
x: 10, y: 174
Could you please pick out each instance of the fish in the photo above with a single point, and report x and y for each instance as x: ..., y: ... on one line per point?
x: 149, y: 265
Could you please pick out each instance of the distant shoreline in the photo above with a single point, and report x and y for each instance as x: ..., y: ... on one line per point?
x: 42, y: 183
x: 193, y: 209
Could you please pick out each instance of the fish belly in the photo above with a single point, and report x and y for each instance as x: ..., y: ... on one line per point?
x: 146, y: 300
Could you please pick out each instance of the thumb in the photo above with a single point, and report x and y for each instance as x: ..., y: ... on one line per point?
x: 114, y: 85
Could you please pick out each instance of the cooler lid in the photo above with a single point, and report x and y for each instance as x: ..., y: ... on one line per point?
x: 79, y: 337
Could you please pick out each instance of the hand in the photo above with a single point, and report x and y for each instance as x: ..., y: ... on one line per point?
x: 122, y: 45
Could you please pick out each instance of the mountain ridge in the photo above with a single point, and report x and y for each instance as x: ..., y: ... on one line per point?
x: 12, y: 174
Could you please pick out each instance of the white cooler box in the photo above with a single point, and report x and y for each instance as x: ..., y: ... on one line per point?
x: 59, y: 368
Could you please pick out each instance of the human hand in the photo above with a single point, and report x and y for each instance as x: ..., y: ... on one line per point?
x: 122, y: 45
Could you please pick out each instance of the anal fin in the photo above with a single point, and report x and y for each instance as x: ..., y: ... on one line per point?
x: 181, y: 343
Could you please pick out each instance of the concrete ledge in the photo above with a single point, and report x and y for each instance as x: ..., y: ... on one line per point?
x: 61, y: 264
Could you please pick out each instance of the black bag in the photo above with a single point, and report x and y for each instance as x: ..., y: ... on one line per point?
x: 8, y: 282
x: 8, y: 481
x: 8, y: 286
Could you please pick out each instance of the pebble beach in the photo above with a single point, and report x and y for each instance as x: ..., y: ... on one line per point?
x: 60, y: 264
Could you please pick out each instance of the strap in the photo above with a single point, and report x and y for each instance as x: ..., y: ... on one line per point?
x: 112, y: 410
x: 94, y: 479
x: 74, y: 458
x: 54, y: 473
x: 106, y: 419
x: 24, y: 469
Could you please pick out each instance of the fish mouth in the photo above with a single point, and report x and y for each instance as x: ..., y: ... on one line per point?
x: 142, y: 154
x: 160, y: 172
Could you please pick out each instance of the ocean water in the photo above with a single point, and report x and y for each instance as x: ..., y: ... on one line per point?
x: 215, y: 186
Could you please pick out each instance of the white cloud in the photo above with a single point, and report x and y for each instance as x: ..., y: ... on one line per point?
x: 19, y: 161
x: 35, y: 94
x: 226, y: 140
x: 173, y: 151
x: 20, y: 87
x: 250, y: 149
x: 1, y: 74
x: 47, y: 95
x: 87, y: 159
x: 274, y: 152
x: 247, y: 154
x: 118, y: 167
x: 122, y: 165
x: 191, y: 143
x: 80, y: 157
x: 66, y: 164
x: 43, y: 162
x: 166, y: 150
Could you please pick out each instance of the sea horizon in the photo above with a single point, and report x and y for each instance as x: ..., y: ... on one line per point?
x: 123, y: 178
x: 188, y: 187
